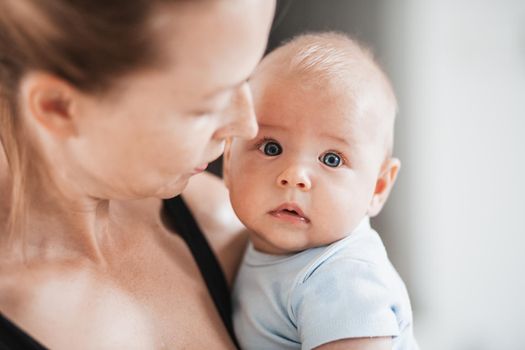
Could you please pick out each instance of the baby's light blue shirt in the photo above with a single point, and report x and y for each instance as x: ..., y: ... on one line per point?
x: 347, y: 289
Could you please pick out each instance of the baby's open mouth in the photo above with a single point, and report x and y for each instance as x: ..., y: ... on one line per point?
x: 290, y: 211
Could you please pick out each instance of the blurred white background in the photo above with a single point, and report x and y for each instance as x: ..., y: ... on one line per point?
x: 453, y: 225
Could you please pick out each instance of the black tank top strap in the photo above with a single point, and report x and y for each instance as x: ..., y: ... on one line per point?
x: 179, y: 218
x: 13, y: 338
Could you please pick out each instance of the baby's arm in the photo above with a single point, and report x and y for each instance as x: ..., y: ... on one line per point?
x: 375, y: 343
x: 344, y: 304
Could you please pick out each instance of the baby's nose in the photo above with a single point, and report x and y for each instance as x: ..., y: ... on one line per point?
x: 295, y: 177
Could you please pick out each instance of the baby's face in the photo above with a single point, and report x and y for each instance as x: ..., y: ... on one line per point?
x: 308, y: 177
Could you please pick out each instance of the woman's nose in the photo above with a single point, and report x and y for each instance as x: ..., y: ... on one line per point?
x: 241, y: 121
x: 295, y: 177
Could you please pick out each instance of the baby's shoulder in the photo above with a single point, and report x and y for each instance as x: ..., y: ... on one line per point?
x: 351, y: 257
x: 351, y: 275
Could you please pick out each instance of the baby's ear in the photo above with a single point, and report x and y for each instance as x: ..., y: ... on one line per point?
x: 384, y: 185
x: 226, y: 162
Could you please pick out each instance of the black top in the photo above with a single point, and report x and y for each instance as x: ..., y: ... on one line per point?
x: 178, y: 218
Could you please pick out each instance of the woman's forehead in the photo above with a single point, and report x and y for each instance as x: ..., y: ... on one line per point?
x: 217, y: 45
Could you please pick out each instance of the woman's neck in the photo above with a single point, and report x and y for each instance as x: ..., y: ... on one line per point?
x: 61, y: 221
x: 5, y: 190
x: 58, y: 228
x: 55, y: 225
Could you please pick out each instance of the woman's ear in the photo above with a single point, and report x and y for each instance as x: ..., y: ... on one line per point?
x: 49, y: 103
x: 384, y: 185
x: 226, y: 162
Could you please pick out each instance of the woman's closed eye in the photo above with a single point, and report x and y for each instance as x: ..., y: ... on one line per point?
x: 215, y: 105
x: 207, y: 112
x: 269, y: 147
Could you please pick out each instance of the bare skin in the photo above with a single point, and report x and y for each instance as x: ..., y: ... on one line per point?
x: 129, y: 282
x: 379, y: 343
x: 95, y: 267
x: 4, y: 193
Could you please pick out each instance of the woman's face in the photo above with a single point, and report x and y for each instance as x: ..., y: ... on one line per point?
x: 160, y: 126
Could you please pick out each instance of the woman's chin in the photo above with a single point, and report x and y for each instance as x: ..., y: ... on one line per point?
x: 173, y: 188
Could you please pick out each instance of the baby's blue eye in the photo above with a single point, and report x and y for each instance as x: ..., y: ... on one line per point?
x: 331, y: 159
x: 271, y: 148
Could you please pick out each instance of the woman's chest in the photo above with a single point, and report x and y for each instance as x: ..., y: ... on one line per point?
x: 153, y: 297
x: 171, y: 292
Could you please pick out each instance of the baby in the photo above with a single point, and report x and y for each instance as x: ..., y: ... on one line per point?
x: 315, y: 274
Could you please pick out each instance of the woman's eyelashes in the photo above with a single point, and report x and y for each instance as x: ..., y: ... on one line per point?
x: 215, y: 106
x: 209, y: 112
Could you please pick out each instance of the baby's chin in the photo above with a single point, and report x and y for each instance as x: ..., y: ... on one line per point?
x: 287, y: 242
x: 274, y: 247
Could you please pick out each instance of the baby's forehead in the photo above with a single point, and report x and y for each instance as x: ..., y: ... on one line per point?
x: 334, y: 67
x: 313, y: 115
x: 328, y: 62
x: 339, y: 101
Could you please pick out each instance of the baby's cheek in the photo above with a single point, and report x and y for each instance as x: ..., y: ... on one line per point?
x: 244, y: 198
x: 335, y: 215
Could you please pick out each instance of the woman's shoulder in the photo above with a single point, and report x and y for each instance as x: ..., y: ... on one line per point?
x: 208, y: 199
x: 52, y: 301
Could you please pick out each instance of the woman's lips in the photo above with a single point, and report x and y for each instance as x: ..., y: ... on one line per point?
x: 200, y: 169
x: 290, y: 212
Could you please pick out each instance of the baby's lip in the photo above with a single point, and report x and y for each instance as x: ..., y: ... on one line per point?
x: 291, y: 208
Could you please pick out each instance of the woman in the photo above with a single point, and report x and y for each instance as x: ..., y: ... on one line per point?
x: 106, y: 108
